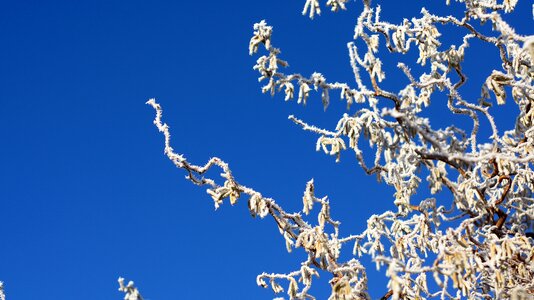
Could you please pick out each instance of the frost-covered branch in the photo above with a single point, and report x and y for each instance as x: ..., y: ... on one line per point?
x: 320, y: 241
x: 473, y: 238
x: 489, y: 174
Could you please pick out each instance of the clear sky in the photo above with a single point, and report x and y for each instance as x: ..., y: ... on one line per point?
x: 86, y: 194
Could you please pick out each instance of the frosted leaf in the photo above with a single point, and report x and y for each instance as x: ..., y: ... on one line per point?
x: 289, y: 91
x: 262, y: 34
x: 313, y: 7
x: 509, y: 5
x: 304, y: 93
x: 261, y: 282
x: 276, y: 287
x: 308, y: 197
x: 335, y: 5
x: 293, y: 288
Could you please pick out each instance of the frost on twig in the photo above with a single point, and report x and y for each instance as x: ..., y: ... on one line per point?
x: 130, y: 291
x: 491, y: 183
x: 319, y: 241
x: 473, y: 238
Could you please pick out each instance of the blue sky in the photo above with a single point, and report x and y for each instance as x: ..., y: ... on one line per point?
x: 86, y: 194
